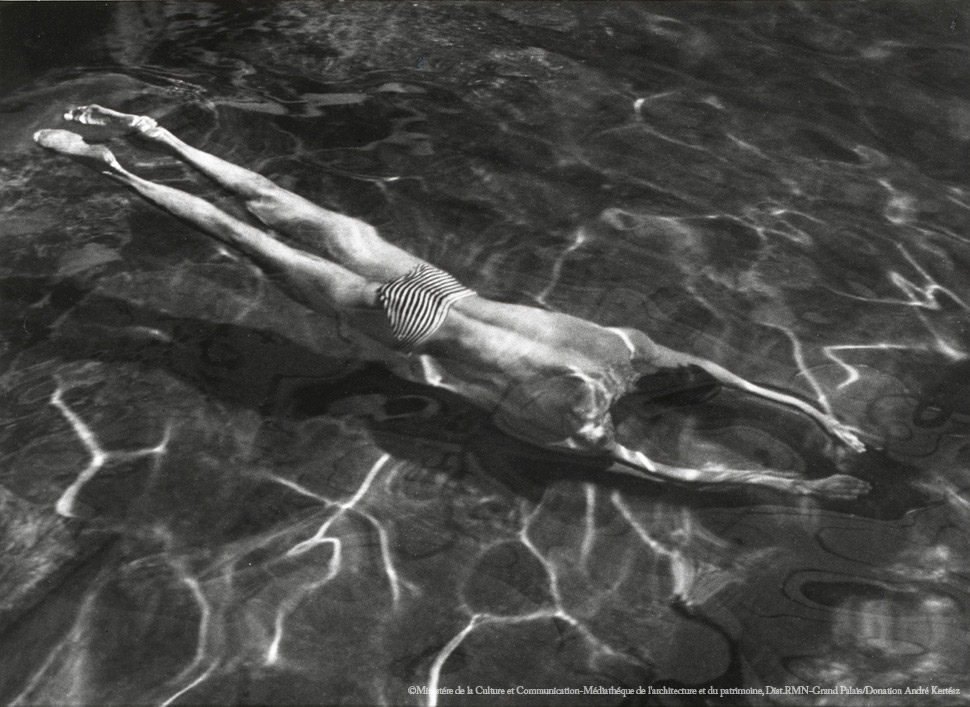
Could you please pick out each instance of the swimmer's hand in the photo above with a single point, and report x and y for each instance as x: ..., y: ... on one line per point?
x: 839, y: 487
x: 844, y: 433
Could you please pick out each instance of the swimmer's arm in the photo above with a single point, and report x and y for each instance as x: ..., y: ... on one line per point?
x: 663, y: 357
x: 634, y: 463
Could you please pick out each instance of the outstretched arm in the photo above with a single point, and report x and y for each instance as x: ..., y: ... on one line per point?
x: 668, y: 358
x: 633, y: 463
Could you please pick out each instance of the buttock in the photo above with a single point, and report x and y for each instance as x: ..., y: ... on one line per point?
x: 416, y: 304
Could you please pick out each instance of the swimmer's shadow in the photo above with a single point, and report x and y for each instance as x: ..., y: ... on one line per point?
x: 238, y: 365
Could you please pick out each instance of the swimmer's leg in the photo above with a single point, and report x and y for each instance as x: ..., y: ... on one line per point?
x: 315, y: 282
x: 633, y: 463
x: 348, y: 241
x: 668, y: 358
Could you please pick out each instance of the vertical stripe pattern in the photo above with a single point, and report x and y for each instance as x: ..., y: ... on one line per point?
x: 416, y: 304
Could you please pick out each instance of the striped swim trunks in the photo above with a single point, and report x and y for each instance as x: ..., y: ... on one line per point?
x: 416, y: 304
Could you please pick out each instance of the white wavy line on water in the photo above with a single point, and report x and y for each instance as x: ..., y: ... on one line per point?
x: 99, y: 456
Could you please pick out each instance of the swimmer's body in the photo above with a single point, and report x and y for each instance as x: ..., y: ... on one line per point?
x: 547, y: 378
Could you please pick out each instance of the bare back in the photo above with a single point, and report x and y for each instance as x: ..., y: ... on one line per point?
x: 547, y: 377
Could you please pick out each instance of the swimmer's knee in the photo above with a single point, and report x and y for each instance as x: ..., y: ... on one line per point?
x: 268, y: 201
x: 273, y: 205
x: 351, y: 250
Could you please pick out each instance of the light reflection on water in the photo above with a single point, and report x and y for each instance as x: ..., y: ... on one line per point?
x: 204, y: 492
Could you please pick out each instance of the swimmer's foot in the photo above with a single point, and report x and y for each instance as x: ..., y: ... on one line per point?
x: 840, y: 487
x: 107, y: 118
x: 71, y: 144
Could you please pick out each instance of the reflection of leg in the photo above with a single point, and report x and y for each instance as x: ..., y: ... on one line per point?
x: 317, y: 283
x: 345, y: 240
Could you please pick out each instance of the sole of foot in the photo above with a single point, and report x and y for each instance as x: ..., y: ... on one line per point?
x: 71, y: 144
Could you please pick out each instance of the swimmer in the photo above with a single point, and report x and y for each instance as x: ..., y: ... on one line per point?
x: 547, y: 378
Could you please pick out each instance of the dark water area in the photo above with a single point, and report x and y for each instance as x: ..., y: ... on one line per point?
x: 205, y: 496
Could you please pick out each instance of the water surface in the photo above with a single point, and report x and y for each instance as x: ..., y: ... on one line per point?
x: 206, y: 498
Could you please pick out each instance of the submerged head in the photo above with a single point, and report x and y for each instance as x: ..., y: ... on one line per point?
x: 637, y: 413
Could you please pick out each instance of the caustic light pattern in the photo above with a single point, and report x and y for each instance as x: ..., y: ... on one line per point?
x: 206, y: 497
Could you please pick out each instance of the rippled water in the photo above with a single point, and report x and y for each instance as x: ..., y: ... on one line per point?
x: 205, y: 498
